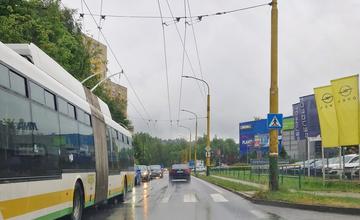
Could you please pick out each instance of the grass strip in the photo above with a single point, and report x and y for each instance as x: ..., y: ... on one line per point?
x: 309, y: 199
x: 284, y: 195
x: 292, y: 182
x: 228, y: 184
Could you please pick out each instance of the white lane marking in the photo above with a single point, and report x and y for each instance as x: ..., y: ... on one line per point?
x: 210, y: 185
x: 218, y: 198
x: 190, y: 197
x: 258, y: 214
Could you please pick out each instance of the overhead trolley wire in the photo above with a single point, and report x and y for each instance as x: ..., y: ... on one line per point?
x: 199, y: 17
x: 196, y: 45
x: 182, y: 65
x: 165, y: 60
x: 117, y: 61
x: 167, y: 120
x: 102, y: 17
x: 187, y: 55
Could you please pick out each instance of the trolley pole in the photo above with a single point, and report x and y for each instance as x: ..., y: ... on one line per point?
x: 274, y: 99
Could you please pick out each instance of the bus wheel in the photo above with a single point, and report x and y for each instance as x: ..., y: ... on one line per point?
x: 78, y: 203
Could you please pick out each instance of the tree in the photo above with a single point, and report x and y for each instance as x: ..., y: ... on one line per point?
x: 54, y: 30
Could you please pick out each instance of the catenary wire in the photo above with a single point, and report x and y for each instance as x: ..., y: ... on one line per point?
x: 117, y: 61
x: 187, y: 55
x: 196, y: 45
x: 182, y: 65
x: 200, y: 16
x: 166, y: 62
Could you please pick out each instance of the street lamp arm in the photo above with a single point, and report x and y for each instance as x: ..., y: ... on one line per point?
x: 184, y: 110
x: 185, y: 128
x: 192, y: 77
x: 103, y: 80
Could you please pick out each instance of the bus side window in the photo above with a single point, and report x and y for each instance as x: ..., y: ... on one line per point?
x: 18, y: 83
x: 4, y: 76
x: 37, y: 93
x: 16, y: 128
x: 46, y: 141
x: 69, y: 136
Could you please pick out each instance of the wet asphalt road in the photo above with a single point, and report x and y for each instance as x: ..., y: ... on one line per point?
x: 197, y: 200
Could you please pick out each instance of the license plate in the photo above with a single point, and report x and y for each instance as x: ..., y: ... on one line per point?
x: 179, y: 171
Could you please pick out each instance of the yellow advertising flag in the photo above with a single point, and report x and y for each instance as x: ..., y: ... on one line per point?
x: 327, y: 116
x: 346, y: 97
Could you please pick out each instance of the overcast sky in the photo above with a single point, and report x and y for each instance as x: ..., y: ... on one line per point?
x: 319, y: 40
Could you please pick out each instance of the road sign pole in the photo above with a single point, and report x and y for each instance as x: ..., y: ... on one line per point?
x: 273, y: 154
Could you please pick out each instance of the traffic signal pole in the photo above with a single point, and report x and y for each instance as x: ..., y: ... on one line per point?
x: 274, y: 100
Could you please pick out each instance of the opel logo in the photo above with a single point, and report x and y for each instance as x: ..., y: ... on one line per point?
x: 327, y: 98
x: 345, y: 90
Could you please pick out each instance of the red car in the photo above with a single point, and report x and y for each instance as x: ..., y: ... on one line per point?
x: 180, y: 171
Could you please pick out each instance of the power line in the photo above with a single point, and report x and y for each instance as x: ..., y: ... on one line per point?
x: 165, y: 120
x: 196, y: 45
x: 165, y: 60
x: 199, y: 17
x: 117, y: 61
x: 182, y: 65
x: 187, y: 55
x: 100, y: 19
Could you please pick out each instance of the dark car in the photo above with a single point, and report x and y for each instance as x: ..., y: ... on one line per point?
x: 180, y: 171
x: 156, y: 171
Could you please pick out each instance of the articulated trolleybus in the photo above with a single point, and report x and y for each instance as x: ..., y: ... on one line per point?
x: 60, y: 151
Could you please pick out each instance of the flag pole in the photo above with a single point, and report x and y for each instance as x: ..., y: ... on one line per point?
x: 323, y: 165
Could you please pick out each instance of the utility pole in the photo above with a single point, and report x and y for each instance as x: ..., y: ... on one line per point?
x: 196, y: 127
x: 274, y: 99
x: 188, y: 155
x: 207, y: 148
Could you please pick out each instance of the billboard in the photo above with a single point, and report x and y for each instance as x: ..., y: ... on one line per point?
x: 288, y: 123
x: 309, y: 117
x: 297, y: 119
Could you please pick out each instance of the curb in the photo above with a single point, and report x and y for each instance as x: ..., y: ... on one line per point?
x: 319, y: 208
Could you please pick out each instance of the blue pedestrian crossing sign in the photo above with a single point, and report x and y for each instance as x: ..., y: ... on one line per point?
x: 274, y: 121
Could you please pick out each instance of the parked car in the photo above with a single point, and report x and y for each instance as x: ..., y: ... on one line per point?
x: 137, y: 179
x: 334, y: 167
x: 180, y: 171
x: 352, y: 168
x: 145, y: 173
x: 200, y: 168
x: 156, y: 171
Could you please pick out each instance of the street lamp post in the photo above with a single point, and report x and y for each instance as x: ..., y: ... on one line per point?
x: 189, y: 142
x: 274, y: 99
x: 207, y: 125
x: 196, y: 126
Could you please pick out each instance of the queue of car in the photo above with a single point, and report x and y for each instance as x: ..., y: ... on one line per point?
x: 144, y: 173
x: 347, y: 166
